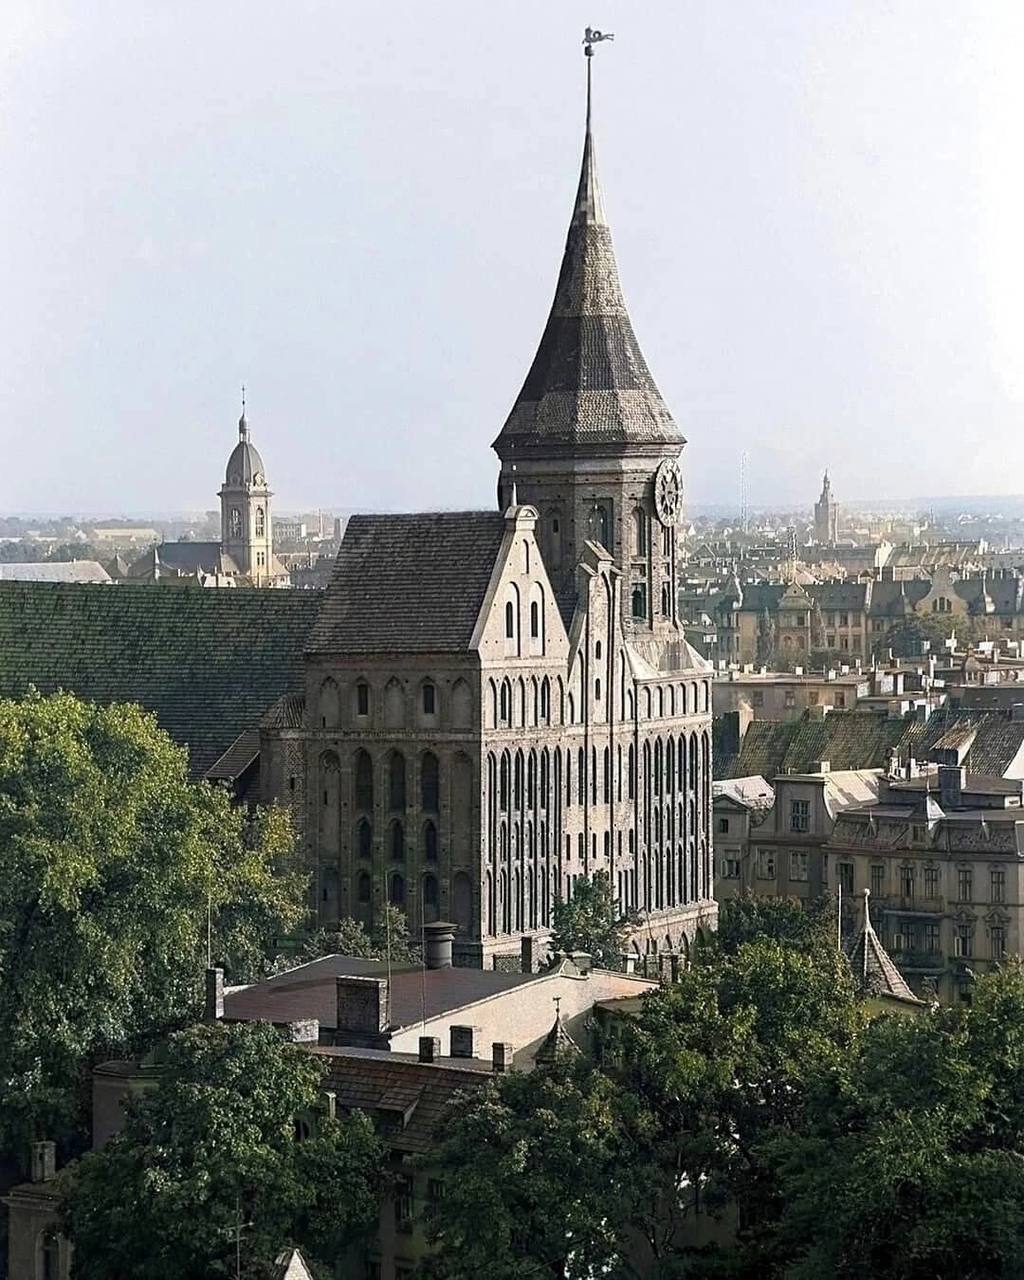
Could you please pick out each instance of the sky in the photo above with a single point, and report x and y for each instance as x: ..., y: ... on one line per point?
x: 358, y: 210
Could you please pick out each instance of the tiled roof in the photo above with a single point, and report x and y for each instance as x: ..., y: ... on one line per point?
x: 589, y: 382
x: 310, y: 991
x: 862, y: 740
x: 286, y: 713
x: 409, y: 583
x: 421, y: 1092
x: 54, y: 571
x: 242, y: 753
x: 206, y: 663
x: 874, y: 971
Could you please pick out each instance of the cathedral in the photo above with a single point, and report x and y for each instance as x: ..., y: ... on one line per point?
x: 498, y: 703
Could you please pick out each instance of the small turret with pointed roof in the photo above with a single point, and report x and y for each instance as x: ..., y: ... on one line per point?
x: 874, y: 970
x: 557, y: 1045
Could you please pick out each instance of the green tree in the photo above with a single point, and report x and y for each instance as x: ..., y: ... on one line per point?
x: 209, y: 1160
x: 115, y: 873
x: 388, y: 936
x: 591, y: 921
x: 537, y: 1168
x: 742, y: 920
x: 905, y: 637
x: 919, y: 1139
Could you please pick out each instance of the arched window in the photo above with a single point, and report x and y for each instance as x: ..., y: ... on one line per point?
x: 639, y: 600
x: 598, y: 524
x: 639, y: 533
x: 430, y: 898
x: 430, y: 842
x: 396, y: 895
x: 364, y: 838
x: 397, y: 842
x: 534, y: 620
x: 364, y: 781
x: 261, y: 523
x: 396, y: 781
x: 503, y: 792
x: 430, y: 786
x: 330, y: 704
x: 362, y: 698
x: 545, y: 701
x: 428, y: 698
x: 505, y: 709
x: 49, y: 1255
x: 510, y: 620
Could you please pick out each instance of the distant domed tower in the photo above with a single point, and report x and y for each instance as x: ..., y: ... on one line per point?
x: 245, y: 526
x: 826, y: 515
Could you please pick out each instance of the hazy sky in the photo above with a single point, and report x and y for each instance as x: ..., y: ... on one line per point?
x: 359, y: 210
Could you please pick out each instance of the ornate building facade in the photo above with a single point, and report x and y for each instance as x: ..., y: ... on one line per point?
x: 498, y: 703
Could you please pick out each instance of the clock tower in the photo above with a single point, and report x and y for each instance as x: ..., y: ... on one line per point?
x: 589, y: 442
x: 246, y: 531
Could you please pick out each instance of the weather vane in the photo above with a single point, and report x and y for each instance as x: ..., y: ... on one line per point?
x: 592, y: 36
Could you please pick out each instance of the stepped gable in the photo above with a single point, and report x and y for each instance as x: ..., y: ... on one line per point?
x: 863, y: 740
x: 409, y: 583
x: 589, y: 383
x: 207, y: 663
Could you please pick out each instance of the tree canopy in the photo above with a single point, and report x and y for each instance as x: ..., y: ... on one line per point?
x: 591, y: 921
x: 209, y: 1162
x: 116, y: 872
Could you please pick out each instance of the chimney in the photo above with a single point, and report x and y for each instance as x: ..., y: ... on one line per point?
x: 527, y: 953
x: 821, y: 766
x: 430, y: 1048
x: 952, y: 780
x: 462, y: 1042
x: 304, y: 1031
x: 364, y: 1005
x: 214, y: 1010
x: 330, y: 1103
x: 583, y: 961
x: 437, y: 944
x: 501, y: 1058
x: 44, y: 1161
x: 628, y: 959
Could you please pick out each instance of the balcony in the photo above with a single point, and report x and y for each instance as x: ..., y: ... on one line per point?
x: 916, y: 905
x: 917, y: 961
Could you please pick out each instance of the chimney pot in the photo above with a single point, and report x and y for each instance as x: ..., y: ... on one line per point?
x: 528, y: 953
x: 437, y: 944
x: 44, y: 1161
x: 501, y: 1057
x: 214, y: 1010
x: 430, y: 1048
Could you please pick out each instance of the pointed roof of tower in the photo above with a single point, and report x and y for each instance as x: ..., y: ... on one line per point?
x: 557, y: 1044
x: 245, y: 463
x: 589, y: 382
x: 874, y: 970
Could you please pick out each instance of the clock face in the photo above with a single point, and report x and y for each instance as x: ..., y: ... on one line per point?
x: 668, y: 492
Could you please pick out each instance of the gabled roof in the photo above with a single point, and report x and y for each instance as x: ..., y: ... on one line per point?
x: 54, y: 571
x: 589, y: 382
x: 409, y: 583
x: 207, y: 663
x: 863, y: 740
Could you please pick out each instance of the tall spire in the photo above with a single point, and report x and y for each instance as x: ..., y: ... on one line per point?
x: 243, y: 426
x: 589, y: 383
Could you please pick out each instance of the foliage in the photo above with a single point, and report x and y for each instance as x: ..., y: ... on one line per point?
x: 113, y: 867
x: 742, y: 920
x: 208, y: 1161
x: 533, y: 1166
x: 905, y: 637
x: 591, y: 921
x: 388, y: 936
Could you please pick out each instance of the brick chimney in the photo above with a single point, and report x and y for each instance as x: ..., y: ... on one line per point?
x: 364, y: 1006
x: 952, y: 780
x: 430, y: 1048
x: 501, y: 1058
x: 214, y: 1010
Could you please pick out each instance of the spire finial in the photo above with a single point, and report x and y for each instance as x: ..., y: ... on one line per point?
x: 557, y: 1002
x: 867, y: 912
x: 243, y: 426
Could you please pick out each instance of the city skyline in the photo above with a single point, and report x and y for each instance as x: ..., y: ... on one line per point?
x: 858, y: 283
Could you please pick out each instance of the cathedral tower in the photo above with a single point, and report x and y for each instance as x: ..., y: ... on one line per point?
x: 826, y: 515
x: 590, y: 442
x: 245, y: 509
